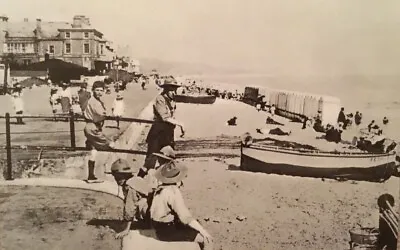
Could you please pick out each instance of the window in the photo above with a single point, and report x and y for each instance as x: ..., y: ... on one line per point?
x: 27, y: 62
x: 67, y: 34
x: 86, y: 34
x: 67, y: 48
x: 101, y: 50
x: 23, y: 48
x: 86, y: 48
x: 9, y: 47
x: 51, y: 49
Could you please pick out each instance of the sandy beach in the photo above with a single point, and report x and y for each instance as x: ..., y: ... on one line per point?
x: 244, y: 210
x: 282, y: 212
x: 58, y: 218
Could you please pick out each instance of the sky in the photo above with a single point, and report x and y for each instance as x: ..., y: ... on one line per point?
x: 325, y: 37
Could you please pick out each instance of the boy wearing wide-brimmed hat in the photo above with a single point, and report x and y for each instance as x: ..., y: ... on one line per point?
x: 161, y: 133
x: 95, y: 114
x: 170, y: 217
x: 136, y: 192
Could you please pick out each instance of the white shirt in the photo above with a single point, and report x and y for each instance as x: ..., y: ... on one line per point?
x: 65, y: 93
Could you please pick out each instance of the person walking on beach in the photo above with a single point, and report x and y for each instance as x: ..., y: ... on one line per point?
x: 385, y: 120
x: 169, y: 215
x: 137, y: 195
x: 143, y: 82
x: 357, y: 118
x: 162, y: 131
x: 66, y: 97
x: 118, y: 108
x: 341, y: 116
x: 18, y: 103
x: 371, y: 125
x: 94, y: 114
x: 272, y: 110
x: 54, y: 100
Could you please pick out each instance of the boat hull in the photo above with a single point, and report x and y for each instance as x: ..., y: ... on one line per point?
x: 203, y: 99
x: 369, y: 167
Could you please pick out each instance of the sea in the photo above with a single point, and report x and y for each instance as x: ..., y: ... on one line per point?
x: 374, y: 96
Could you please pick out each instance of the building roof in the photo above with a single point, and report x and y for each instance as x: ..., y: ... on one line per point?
x: 49, y: 29
x: 27, y: 73
x: 21, y: 29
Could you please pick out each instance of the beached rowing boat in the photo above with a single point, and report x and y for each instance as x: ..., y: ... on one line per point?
x: 261, y: 157
x: 197, y: 99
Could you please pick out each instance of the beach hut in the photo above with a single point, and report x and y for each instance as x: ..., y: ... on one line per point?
x: 273, y: 97
x: 308, y: 102
x: 290, y: 105
x: 329, y: 107
x: 300, y: 97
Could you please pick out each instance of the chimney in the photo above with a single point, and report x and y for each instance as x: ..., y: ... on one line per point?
x: 3, y: 30
x: 86, y: 21
x: 80, y: 20
x: 77, y: 21
x: 38, y: 27
x: 26, y: 20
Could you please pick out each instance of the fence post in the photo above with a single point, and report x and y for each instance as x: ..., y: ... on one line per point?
x: 72, y: 129
x: 8, y: 148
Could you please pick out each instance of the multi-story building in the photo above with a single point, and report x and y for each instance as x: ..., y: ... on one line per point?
x: 77, y: 42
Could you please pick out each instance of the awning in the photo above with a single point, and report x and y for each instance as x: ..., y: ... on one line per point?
x: 60, y: 70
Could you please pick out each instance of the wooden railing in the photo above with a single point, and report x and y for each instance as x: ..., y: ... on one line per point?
x: 72, y: 118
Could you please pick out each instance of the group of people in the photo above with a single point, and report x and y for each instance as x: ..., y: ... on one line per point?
x: 63, y: 101
x: 152, y: 193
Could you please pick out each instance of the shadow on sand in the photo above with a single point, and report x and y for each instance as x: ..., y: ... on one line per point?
x: 118, y: 226
x: 233, y: 167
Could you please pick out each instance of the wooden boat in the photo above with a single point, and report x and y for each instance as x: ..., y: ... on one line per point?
x: 259, y: 157
x: 197, y: 99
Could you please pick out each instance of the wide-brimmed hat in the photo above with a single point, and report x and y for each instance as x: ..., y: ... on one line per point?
x: 166, y: 152
x: 171, y: 173
x: 121, y: 166
x: 170, y: 83
x: 120, y: 97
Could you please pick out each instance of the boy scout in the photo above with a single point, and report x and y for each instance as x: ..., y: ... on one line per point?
x: 137, y: 194
x: 95, y: 113
x: 161, y: 133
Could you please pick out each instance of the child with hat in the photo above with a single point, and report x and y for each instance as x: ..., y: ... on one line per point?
x: 170, y: 217
x: 118, y: 108
x: 136, y: 193
x: 95, y: 114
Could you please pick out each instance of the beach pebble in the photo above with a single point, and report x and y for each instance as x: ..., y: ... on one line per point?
x: 241, y: 218
x: 206, y: 219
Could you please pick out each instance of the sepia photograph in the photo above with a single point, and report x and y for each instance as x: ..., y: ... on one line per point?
x: 199, y: 125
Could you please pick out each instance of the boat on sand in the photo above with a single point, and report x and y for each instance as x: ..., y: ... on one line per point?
x: 196, y: 99
x: 299, y: 160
